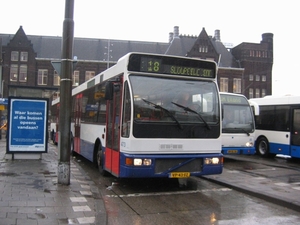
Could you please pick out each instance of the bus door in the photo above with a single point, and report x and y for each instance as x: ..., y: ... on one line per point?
x: 77, y: 121
x: 112, y: 149
x: 295, y: 133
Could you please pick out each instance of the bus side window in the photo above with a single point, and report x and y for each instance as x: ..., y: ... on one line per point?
x: 281, y: 118
x: 126, y: 112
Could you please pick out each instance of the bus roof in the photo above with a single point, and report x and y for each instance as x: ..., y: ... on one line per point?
x: 120, y: 68
x: 277, y: 100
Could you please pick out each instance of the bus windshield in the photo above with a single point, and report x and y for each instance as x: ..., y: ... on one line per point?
x: 176, y: 101
x: 237, y: 119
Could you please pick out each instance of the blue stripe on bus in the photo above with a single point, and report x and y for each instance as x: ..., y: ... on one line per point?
x: 87, y: 149
x: 295, y: 151
x: 276, y: 148
x: 238, y: 151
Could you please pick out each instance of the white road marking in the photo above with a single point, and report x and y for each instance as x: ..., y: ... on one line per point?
x: 84, y: 208
x: 86, y: 220
x: 169, y: 193
x: 78, y: 199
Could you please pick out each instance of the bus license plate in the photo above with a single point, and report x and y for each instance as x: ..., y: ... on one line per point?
x: 232, y: 151
x: 179, y: 175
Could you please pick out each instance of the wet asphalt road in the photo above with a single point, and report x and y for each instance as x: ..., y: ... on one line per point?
x: 193, y: 200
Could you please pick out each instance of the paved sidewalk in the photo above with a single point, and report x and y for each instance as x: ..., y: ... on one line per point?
x: 30, y: 194
x: 280, y: 187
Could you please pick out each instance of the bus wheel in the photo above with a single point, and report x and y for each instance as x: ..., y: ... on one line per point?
x: 100, y: 159
x: 262, y: 147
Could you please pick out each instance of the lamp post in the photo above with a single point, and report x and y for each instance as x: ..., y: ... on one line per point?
x: 65, y: 95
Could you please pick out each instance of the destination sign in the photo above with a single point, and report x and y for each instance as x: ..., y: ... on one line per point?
x: 172, y: 65
x: 230, y: 99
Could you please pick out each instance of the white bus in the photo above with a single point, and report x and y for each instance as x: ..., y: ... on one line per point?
x: 129, y: 121
x: 238, y: 128
x: 278, y: 126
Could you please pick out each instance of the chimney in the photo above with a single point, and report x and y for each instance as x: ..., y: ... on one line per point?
x: 217, y: 35
x: 171, y: 36
x: 267, y: 37
x: 176, y: 32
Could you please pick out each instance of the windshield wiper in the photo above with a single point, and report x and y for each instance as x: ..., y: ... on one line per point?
x: 245, y: 131
x: 193, y: 111
x: 164, y: 109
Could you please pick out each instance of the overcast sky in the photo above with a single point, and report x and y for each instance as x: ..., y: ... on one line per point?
x: 238, y: 21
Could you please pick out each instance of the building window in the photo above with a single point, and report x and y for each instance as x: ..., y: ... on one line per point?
x: 263, y: 92
x: 264, y: 78
x: 42, y: 77
x: 258, y: 54
x: 250, y: 92
x: 14, y: 56
x: 257, y: 93
x: 56, y: 80
x: 224, y: 84
x: 23, y: 73
x: 75, y: 78
x: 257, y: 78
x: 89, y: 75
x: 24, y: 56
x: 237, y: 85
x: 203, y: 48
x: 14, y: 72
x: 250, y: 77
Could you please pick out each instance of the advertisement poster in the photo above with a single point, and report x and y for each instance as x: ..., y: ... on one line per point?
x: 27, y: 125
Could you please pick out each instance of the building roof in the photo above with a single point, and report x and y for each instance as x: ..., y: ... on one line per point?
x: 181, y: 45
x: 226, y: 58
x: 92, y: 49
x: 88, y: 48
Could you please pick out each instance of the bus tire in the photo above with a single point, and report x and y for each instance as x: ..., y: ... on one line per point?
x: 100, y: 159
x: 263, y: 147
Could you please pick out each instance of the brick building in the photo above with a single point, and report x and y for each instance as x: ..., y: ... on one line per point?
x: 257, y: 61
x: 26, y: 69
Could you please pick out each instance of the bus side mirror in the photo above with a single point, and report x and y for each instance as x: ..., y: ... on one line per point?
x: 109, y: 91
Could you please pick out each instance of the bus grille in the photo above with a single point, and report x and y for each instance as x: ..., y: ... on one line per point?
x: 163, y: 165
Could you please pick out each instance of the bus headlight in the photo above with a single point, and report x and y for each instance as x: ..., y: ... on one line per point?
x: 214, y: 161
x: 147, y: 162
x: 138, y: 162
x: 142, y: 162
x: 249, y: 144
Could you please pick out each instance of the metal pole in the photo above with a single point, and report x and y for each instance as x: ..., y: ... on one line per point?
x: 65, y: 95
